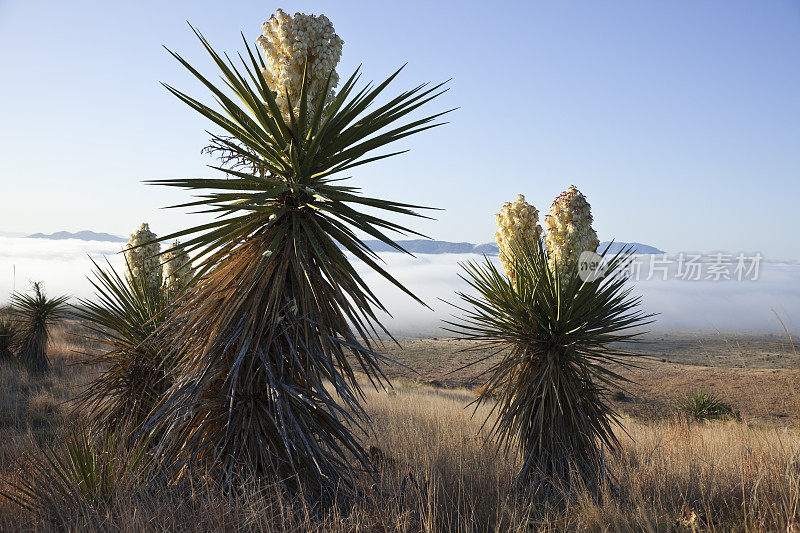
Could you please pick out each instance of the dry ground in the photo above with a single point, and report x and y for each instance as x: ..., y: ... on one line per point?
x: 757, y: 374
x: 438, y: 471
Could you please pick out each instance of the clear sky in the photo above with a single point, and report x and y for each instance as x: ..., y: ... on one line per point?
x: 679, y: 120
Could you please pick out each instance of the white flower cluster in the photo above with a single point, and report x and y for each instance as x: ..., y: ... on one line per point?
x: 569, y: 231
x: 517, y: 223
x: 289, y: 43
x: 141, y: 253
x: 175, y: 267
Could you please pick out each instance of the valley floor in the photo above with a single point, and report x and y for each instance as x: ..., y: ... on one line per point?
x: 759, y: 375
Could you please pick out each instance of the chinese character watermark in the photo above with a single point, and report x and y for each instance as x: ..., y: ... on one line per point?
x: 717, y: 266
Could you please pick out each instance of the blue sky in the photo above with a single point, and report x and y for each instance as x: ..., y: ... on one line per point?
x: 679, y: 120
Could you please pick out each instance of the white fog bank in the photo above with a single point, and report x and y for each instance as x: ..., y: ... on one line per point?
x: 726, y: 305
x: 61, y: 264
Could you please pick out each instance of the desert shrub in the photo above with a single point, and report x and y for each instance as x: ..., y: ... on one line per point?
x: 617, y: 396
x: 35, y: 316
x: 703, y: 406
x: 552, y: 331
x: 279, y: 311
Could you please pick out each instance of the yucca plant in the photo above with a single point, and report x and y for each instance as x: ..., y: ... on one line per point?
x: 268, y: 342
x: 83, y: 473
x: 124, y: 317
x: 35, y: 314
x: 8, y: 334
x: 550, y: 333
x: 703, y: 406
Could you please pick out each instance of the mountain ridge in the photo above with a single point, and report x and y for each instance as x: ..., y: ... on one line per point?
x: 424, y: 246
x: 415, y: 246
x: 85, y: 235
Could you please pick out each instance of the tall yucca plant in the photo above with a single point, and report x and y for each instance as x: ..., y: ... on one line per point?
x: 279, y: 321
x: 35, y: 315
x: 555, y: 363
x: 124, y: 317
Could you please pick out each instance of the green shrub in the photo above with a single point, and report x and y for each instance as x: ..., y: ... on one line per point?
x: 703, y: 406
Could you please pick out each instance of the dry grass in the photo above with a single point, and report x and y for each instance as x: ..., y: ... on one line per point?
x: 436, y: 472
x: 738, y: 375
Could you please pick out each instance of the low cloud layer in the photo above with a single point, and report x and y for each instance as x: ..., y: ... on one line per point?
x: 685, y: 305
x: 726, y: 305
x: 61, y: 265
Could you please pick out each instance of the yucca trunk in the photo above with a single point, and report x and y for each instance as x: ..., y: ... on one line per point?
x: 250, y: 394
x: 559, y: 450
x: 7, y: 336
x: 123, y: 396
x: 33, y: 350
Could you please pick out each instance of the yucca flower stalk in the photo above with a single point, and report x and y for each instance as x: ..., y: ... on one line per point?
x: 552, y: 336
x: 294, y: 46
x: 569, y: 232
x: 517, y: 224
x: 124, y: 317
x: 268, y: 342
x: 35, y: 316
x: 143, y: 259
x: 176, y: 267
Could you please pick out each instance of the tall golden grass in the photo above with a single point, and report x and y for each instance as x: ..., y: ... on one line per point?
x: 438, y: 473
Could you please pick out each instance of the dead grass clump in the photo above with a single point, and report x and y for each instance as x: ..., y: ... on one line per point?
x: 35, y: 406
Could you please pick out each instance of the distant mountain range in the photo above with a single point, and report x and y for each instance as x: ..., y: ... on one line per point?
x: 415, y: 246
x: 422, y: 246
x: 636, y: 247
x: 85, y: 235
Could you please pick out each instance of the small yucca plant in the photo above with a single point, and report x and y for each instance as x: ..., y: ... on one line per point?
x: 267, y: 343
x: 124, y: 316
x: 85, y: 472
x: 551, y: 333
x: 8, y: 334
x: 703, y: 406
x: 35, y: 314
